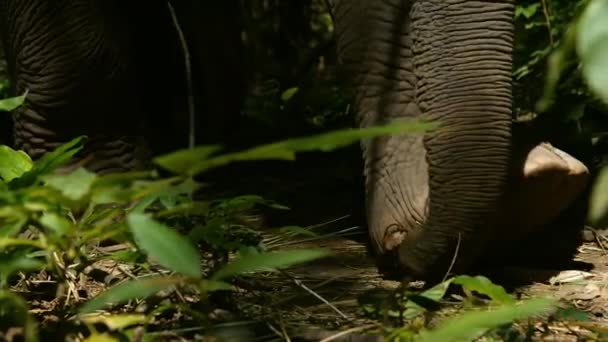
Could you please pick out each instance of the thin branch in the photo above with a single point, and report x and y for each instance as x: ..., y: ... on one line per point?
x: 547, y: 20
x: 307, y: 289
x: 188, y: 70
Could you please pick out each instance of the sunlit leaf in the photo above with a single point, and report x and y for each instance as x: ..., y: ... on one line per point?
x: 115, y: 322
x: 592, y: 46
x: 132, y: 289
x: 471, y: 325
x: 164, y: 245
x: 181, y: 161
x: 484, y: 286
x: 49, y: 162
x: 287, y: 149
x: 267, y: 261
x: 289, y: 93
x: 435, y: 293
x: 55, y: 223
x: 74, y: 185
x: 13, y: 163
x: 598, y: 204
x: 12, y: 103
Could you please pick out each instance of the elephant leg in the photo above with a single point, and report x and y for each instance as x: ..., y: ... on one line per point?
x: 545, y: 181
x: 87, y: 67
x: 447, y: 61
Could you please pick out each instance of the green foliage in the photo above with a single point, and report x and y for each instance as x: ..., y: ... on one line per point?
x: 11, y: 103
x: 65, y: 212
x: 592, y: 46
x: 202, y: 159
x: 474, y: 324
x: 476, y: 320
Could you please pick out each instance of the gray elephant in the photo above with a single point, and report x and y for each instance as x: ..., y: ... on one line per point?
x: 114, y: 70
x: 432, y: 200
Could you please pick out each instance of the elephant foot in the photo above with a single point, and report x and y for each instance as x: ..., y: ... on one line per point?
x: 546, y: 182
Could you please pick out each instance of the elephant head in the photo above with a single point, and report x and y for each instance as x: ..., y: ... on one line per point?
x: 434, y: 199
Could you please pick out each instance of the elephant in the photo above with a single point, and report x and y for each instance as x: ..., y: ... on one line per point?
x: 434, y: 201
x: 105, y: 70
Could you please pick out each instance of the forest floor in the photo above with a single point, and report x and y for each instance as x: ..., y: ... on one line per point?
x: 327, y: 295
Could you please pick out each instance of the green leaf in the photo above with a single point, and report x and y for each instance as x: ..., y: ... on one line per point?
x: 286, y: 150
x: 132, y: 289
x: 166, y: 246
x: 435, y: 293
x: 473, y: 324
x: 55, y: 223
x: 484, y: 286
x: 49, y: 162
x: 179, y: 162
x: 592, y: 46
x: 13, y: 163
x: 265, y: 261
x: 12, y: 103
x: 527, y: 11
x: 116, y: 322
x: 598, y: 204
x: 289, y: 93
x: 17, y: 261
x: 74, y: 185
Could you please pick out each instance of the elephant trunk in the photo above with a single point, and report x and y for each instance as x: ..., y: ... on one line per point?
x: 443, y: 60
x: 463, y: 63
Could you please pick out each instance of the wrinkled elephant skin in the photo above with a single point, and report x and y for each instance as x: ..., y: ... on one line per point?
x: 434, y: 201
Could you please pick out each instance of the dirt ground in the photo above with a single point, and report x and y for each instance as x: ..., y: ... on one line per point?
x: 326, y: 294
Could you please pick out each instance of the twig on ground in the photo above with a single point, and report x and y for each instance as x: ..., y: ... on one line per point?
x: 307, y: 289
x: 348, y: 332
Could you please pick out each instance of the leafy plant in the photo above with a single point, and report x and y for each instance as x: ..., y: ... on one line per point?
x: 49, y: 218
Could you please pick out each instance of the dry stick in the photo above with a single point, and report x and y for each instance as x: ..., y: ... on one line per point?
x: 188, y: 70
x: 307, y: 289
x: 348, y: 332
x: 453, y: 258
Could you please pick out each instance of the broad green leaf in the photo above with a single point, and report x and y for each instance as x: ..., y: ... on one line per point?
x: 435, y: 293
x: 55, y: 223
x: 17, y: 261
x: 164, y: 245
x: 473, y: 324
x: 12, y: 103
x: 289, y: 93
x: 49, y: 162
x: 483, y: 285
x: 181, y: 161
x: 74, y: 185
x: 132, y: 289
x: 115, y: 322
x: 592, y: 46
x: 13, y: 163
x: 266, y: 261
x: 598, y: 205
x: 286, y: 150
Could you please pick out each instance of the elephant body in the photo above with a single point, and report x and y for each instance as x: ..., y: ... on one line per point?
x: 432, y: 199
x: 114, y: 71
